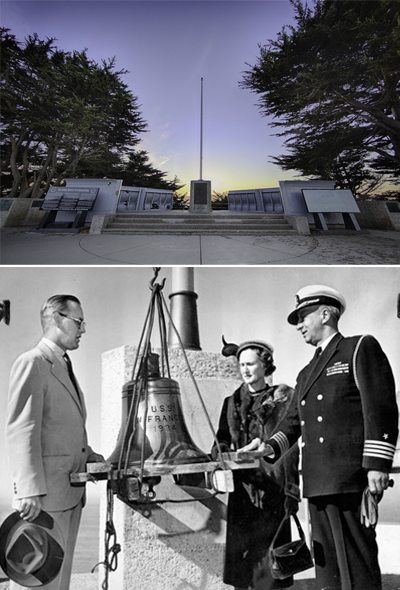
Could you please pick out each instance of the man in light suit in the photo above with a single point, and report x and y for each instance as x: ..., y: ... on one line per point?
x: 346, y: 413
x: 45, y: 430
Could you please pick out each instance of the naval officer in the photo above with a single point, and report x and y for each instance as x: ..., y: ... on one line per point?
x: 345, y: 410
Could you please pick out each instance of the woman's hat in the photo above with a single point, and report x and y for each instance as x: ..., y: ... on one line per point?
x: 260, y: 344
x: 315, y: 295
x: 31, y: 553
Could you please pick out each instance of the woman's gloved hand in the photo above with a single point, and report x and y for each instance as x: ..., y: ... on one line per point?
x: 291, y: 505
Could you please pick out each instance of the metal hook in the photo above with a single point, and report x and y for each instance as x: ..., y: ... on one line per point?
x: 152, y: 283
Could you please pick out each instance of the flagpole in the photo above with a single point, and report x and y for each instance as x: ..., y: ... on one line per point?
x: 201, y: 132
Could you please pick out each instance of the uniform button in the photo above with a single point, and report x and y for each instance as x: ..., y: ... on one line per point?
x: 302, y: 423
x: 320, y: 396
x: 320, y: 418
x: 303, y: 402
x: 321, y: 439
x: 83, y: 449
x: 303, y: 444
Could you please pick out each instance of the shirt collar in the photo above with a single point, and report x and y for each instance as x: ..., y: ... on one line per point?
x: 324, y: 344
x: 59, y: 352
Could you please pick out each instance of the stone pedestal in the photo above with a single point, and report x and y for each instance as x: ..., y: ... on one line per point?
x: 175, y: 546
x: 376, y: 214
x: 200, y: 196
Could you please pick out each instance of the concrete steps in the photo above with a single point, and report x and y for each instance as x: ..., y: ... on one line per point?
x: 185, y: 222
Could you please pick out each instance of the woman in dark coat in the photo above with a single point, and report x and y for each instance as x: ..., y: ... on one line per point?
x: 261, y: 496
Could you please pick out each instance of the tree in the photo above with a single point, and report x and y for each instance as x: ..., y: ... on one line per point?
x: 331, y: 83
x: 181, y: 201
x: 61, y: 112
x: 136, y: 170
x: 219, y: 200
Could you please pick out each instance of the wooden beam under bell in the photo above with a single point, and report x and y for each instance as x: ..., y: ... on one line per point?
x: 232, y: 460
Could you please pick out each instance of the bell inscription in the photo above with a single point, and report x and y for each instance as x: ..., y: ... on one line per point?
x: 160, y: 436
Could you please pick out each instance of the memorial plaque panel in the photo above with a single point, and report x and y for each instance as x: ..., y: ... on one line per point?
x: 70, y: 199
x: 80, y: 200
x: 200, y: 193
x: 5, y: 204
x: 330, y: 201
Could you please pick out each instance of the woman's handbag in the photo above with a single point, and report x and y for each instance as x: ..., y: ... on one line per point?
x: 291, y: 558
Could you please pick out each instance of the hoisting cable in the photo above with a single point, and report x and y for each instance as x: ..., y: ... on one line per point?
x: 140, y: 380
x: 137, y: 379
x: 139, y: 376
x: 195, y: 384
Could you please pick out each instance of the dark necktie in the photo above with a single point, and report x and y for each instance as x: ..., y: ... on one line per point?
x: 317, y: 353
x: 316, y: 356
x: 71, y: 374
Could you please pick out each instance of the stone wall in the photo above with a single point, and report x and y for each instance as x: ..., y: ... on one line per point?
x: 375, y: 214
x: 23, y: 212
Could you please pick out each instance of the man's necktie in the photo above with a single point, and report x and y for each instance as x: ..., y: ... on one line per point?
x: 316, y: 356
x: 71, y: 373
x: 317, y: 352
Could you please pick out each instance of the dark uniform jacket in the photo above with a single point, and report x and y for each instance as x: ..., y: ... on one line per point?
x: 345, y: 410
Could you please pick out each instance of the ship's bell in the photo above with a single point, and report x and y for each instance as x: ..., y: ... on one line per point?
x: 160, y: 435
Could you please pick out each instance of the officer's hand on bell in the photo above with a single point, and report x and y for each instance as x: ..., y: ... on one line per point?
x: 29, y: 508
x: 258, y: 447
x: 254, y: 445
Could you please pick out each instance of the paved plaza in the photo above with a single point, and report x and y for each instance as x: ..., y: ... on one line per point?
x: 20, y: 246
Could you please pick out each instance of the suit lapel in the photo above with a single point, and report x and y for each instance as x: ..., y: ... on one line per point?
x: 60, y: 373
x: 316, y: 369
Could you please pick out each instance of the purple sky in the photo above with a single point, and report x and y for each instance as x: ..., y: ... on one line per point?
x: 168, y: 46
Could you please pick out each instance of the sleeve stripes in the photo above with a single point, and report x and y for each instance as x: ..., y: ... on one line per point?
x: 381, y: 450
x: 282, y: 440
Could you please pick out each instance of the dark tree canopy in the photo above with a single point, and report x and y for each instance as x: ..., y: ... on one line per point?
x: 138, y: 171
x: 64, y: 115
x: 331, y: 86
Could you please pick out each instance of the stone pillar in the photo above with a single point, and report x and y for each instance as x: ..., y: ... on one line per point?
x: 200, y: 196
x: 177, y: 545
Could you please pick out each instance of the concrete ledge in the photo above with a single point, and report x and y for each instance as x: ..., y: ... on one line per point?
x: 375, y: 214
x: 100, y: 222
x: 299, y: 223
x: 22, y: 213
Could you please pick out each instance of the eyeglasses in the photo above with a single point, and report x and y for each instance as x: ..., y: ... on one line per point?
x: 81, y: 324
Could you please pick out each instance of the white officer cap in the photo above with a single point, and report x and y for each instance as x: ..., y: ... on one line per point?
x: 316, y: 295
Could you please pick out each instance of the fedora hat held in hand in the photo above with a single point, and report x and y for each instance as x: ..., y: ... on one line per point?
x: 31, y: 553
